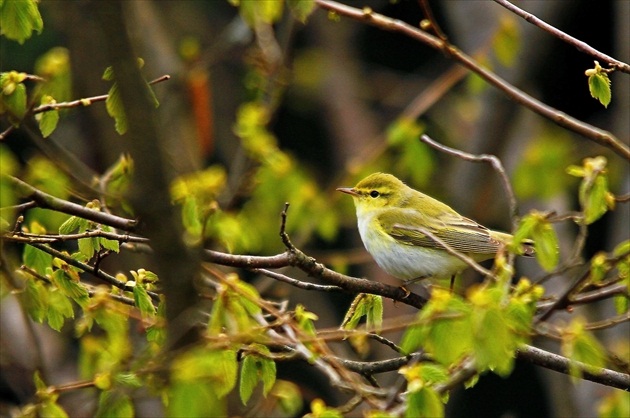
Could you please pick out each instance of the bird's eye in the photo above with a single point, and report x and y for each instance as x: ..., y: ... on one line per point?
x: 374, y: 194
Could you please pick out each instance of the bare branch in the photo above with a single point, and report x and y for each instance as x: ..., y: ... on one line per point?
x: 85, y: 101
x: 297, y: 283
x: 48, y: 201
x: 486, y: 158
x: 561, y: 364
x: 581, y: 46
x: 47, y: 239
x: 600, y: 136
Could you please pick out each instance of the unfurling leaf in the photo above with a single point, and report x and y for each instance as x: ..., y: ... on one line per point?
x: 599, y: 84
x: 47, y: 120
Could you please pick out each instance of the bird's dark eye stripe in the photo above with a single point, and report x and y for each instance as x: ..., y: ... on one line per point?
x: 374, y: 193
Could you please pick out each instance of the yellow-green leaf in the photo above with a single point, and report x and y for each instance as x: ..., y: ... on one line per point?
x: 115, y: 109
x: 424, y: 403
x: 546, y: 242
x: 599, y: 85
x: 19, y: 19
x: 71, y: 288
x: 36, y: 259
x: 143, y: 301
x: 301, y: 9
x: 114, y: 403
x: 507, y: 40
x: 580, y: 345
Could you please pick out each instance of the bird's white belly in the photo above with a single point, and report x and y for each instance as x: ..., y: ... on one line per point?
x: 407, y: 262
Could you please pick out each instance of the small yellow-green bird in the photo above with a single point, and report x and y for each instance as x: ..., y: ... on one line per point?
x: 391, y: 215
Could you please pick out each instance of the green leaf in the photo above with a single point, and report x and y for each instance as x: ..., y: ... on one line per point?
x: 35, y: 298
x: 253, y: 11
x: 599, y: 85
x: 301, y: 9
x: 18, y: 19
x: 289, y: 397
x: 595, y: 200
x: 507, y: 41
x: 404, y: 130
x: 424, y: 403
x: 255, y: 368
x: 218, y: 368
x: 249, y: 378
x: 115, y: 109
x: 59, y: 309
x: 51, y: 409
x: 108, y: 74
x: 194, y: 399
x: 546, y: 243
x: 39, y: 382
x: 88, y: 246
x: 15, y: 100
x: 444, y: 330
x: 109, y: 244
x: 130, y: 380
x: 190, y: 218
x: 614, y: 405
x: 494, y: 342
x: 72, y: 224
x: 47, y: 120
x: 143, y: 301
x: 580, y: 345
x: 36, y: 259
x: 114, y: 403
x: 71, y: 288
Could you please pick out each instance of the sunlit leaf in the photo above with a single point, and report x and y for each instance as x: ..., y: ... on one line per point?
x: 507, y: 41
x: 36, y: 259
x: 115, y: 109
x: 194, y: 399
x: 424, y: 403
x: 114, y: 403
x: 52, y: 409
x: 579, y: 345
x: 47, y: 121
x: 19, y: 19
x: 59, y: 309
x: 143, y: 301
x: 301, y: 9
x: 599, y: 84
x: 71, y: 288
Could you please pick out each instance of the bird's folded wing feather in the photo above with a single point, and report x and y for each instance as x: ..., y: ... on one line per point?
x: 459, y: 233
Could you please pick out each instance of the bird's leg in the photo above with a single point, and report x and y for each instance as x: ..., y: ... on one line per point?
x: 452, y: 282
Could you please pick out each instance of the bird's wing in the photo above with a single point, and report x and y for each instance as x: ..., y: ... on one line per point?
x: 459, y: 233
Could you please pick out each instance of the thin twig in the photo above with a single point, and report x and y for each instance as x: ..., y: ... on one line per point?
x: 47, y: 239
x: 297, y: 283
x: 581, y: 46
x: 600, y: 136
x: 47, y: 201
x: 85, y: 101
x: 485, y: 158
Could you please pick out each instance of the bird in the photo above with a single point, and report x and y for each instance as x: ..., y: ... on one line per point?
x: 393, y: 220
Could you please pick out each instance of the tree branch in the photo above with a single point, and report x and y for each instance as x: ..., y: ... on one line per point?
x: 581, y: 46
x: 600, y: 136
x: 561, y: 364
x: 47, y: 201
x: 486, y: 158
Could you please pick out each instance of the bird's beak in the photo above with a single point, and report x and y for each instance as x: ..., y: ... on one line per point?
x: 348, y: 190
